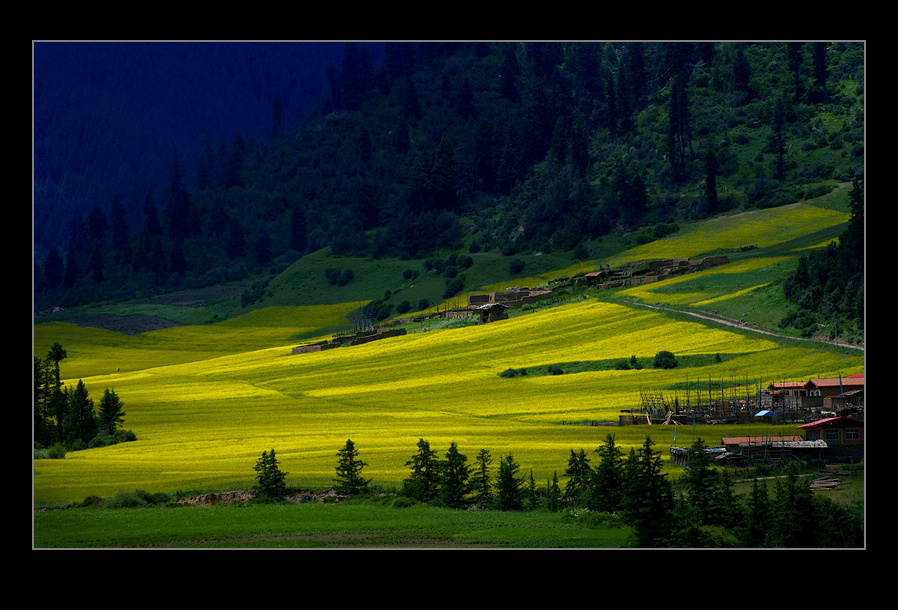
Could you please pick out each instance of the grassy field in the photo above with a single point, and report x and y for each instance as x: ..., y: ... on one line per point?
x: 206, y: 400
x: 314, y: 525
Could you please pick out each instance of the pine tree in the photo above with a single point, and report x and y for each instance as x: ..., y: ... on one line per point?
x: 455, y: 483
x: 701, y: 483
x: 80, y: 422
x: 579, y: 474
x: 349, y: 471
x: 509, y: 493
x: 423, y: 484
x: 553, y: 493
x: 755, y: 531
x: 481, y: 483
x: 608, y: 477
x: 110, y: 414
x: 271, y: 478
x: 649, y: 500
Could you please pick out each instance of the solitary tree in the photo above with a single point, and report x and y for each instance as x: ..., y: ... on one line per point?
x: 110, y: 414
x: 349, y: 470
x: 271, y: 478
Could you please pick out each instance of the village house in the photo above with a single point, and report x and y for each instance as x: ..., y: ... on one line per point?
x: 844, y: 436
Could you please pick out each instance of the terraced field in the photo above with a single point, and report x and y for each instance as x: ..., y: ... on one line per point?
x: 206, y: 401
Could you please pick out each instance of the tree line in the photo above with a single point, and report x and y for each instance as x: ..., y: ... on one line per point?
x: 507, y: 147
x: 701, y: 510
x: 66, y: 417
x: 827, y: 288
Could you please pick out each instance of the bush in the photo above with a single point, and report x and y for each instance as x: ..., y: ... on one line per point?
x: 554, y: 369
x: 513, y: 373
x: 56, y: 451
x: 515, y: 266
x: 665, y: 360
x: 404, y: 307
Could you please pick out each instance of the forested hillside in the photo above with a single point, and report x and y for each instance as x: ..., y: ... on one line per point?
x: 472, y: 146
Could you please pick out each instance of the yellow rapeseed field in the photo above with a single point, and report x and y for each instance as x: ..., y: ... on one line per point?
x: 205, y: 402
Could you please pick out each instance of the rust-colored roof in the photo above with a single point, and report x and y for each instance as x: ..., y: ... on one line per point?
x: 834, y: 383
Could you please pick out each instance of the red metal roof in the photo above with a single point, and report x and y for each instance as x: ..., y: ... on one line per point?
x: 829, y: 420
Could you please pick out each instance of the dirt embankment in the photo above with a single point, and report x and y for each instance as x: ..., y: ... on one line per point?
x: 229, y: 497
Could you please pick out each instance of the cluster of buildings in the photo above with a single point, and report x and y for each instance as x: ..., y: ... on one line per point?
x: 836, y: 437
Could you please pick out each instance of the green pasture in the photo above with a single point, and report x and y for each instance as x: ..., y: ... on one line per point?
x: 314, y: 525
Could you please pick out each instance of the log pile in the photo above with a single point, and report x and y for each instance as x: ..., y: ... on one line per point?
x: 825, y: 480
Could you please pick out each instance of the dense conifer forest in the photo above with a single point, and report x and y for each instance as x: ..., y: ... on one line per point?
x: 408, y: 149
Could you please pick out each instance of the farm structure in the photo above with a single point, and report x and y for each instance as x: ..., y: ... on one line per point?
x: 709, y: 401
x: 644, y: 272
x: 844, y: 436
x: 748, y: 450
x: 348, y: 340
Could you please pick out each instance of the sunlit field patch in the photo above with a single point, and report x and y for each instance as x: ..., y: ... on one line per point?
x: 759, y: 228
x: 201, y: 423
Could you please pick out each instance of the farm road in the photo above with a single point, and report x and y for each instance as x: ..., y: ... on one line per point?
x: 744, y: 325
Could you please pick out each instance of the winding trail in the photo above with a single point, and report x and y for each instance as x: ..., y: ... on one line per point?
x: 744, y: 326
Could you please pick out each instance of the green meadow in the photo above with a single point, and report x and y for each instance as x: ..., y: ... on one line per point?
x: 206, y: 400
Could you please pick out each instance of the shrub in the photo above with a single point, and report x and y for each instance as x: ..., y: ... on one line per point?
x: 622, y: 365
x: 665, y: 360
x: 513, y: 373
x: 515, y: 266
x: 404, y: 307
x: 554, y: 369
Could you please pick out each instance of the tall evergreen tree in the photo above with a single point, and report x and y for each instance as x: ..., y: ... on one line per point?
x: 110, y: 414
x: 455, y: 483
x: 80, y: 421
x: 481, y: 479
x: 509, y: 487
x: 54, y: 269
x: 608, y: 477
x: 649, y: 499
x: 579, y: 474
x: 272, y: 480
x: 179, y: 215
x: 701, y: 483
x: 349, y: 470
x: 423, y: 484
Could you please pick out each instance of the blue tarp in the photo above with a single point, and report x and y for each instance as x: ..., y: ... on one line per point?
x: 765, y: 412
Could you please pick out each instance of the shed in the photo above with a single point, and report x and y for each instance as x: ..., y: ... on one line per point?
x: 492, y: 312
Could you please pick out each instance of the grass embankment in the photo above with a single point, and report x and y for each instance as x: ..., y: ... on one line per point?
x: 314, y: 525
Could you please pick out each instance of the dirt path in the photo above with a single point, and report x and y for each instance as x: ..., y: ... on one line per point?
x: 746, y: 326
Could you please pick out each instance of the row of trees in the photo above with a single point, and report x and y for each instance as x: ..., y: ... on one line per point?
x: 65, y: 417
x: 700, y: 510
x: 827, y: 288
